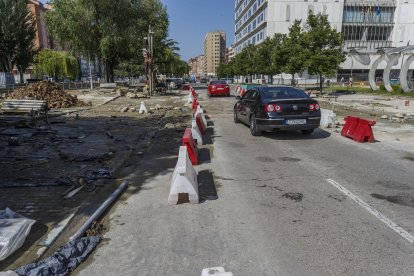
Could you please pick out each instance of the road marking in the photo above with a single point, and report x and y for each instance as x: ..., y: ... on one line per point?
x: 373, y: 211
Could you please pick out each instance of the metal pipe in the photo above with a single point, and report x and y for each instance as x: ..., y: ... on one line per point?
x: 99, y: 211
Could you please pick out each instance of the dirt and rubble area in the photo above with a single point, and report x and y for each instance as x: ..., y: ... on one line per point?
x: 67, y: 170
x: 49, y: 92
x: 394, y: 115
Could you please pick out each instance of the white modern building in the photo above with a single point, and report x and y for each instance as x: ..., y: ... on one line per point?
x: 369, y: 27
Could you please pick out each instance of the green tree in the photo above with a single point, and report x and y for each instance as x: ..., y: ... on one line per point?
x: 277, y: 58
x: 56, y: 64
x: 325, y: 46
x: 17, y: 31
x: 294, y: 49
x: 244, y: 64
x: 222, y: 69
x: 111, y: 31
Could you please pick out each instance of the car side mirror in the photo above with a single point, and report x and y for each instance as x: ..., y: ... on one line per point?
x: 238, y: 98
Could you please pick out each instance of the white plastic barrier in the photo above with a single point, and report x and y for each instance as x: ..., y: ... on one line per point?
x: 184, y: 179
x: 142, y: 109
x: 195, y: 131
x: 327, y: 118
x: 215, y: 271
x: 14, y: 229
x: 203, y: 116
x: 190, y: 98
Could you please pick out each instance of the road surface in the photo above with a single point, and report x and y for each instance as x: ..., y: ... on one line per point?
x: 288, y: 204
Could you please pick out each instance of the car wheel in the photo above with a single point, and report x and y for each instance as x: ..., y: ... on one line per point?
x: 236, y: 118
x: 307, y: 131
x: 228, y: 95
x: 253, y: 126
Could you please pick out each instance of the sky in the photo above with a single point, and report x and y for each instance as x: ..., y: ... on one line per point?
x: 190, y: 20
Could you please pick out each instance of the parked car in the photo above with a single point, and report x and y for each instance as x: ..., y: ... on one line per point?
x: 228, y: 80
x: 174, y: 83
x: 217, y: 88
x: 272, y: 108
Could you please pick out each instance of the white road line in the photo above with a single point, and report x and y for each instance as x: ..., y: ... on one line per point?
x: 379, y: 215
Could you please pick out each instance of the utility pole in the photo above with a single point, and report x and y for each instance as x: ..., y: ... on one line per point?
x: 148, y: 58
x: 151, y: 50
x: 90, y: 73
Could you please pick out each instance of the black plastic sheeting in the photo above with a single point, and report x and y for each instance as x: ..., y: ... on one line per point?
x: 63, y: 261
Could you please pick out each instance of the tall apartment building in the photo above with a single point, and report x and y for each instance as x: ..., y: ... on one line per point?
x: 229, y: 54
x: 214, y: 51
x: 368, y: 26
x: 196, y: 67
x: 42, y: 39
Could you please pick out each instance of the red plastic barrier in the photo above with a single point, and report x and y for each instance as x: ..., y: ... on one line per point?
x: 191, y: 145
x: 193, y: 92
x: 186, y: 87
x: 200, y: 124
x: 358, y: 129
x: 242, y: 91
x: 195, y: 103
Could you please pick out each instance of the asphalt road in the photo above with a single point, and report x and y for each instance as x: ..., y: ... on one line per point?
x: 288, y: 204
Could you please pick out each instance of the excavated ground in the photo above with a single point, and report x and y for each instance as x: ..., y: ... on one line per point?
x: 87, y: 146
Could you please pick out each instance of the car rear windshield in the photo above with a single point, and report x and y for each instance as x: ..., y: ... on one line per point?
x: 219, y: 82
x: 283, y: 93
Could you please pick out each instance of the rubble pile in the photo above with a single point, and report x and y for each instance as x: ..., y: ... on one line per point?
x: 47, y: 91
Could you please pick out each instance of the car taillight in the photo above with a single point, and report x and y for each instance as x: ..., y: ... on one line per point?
x: 213, y: 87
x: 226, y: 86
x: 269, y: 108
x: 313, y: 107
x: 273, y: 108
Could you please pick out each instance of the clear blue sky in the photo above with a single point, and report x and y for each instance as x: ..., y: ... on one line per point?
x: 190, y: 20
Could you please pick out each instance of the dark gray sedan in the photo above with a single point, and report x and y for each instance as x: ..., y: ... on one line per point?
x: 272, y: 108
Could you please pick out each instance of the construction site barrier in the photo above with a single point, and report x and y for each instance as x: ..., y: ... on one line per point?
x: 186, y: 87
x: 195, y: 104
x: 215, y: 271
x: 358, y: 129
x: 142, y: 109
x: 195, y: 131
x: 201, y: 126
x: 191, y: 145
x: 190, y: 98
x: 200, y: 110
x: 184, y: 179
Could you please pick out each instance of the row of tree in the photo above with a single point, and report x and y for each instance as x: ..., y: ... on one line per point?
x: 314, y: 46
x: 113, y: 32
x: 17, y: 33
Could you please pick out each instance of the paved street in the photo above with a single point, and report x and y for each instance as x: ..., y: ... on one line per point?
x: 280, y: 209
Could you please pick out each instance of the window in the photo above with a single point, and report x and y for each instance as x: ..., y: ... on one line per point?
x: 283, y: 93
x: 402, y: 32
x: 288, y: 12
x: 254, y: 95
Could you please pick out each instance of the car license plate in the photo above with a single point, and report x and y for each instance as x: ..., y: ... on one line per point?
x: 220, y: 88
x: 296, y: 122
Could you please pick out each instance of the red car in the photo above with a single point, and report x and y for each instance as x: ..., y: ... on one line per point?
x: 217, y: 88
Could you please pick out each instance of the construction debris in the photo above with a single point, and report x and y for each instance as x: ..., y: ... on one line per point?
x: 47, y: 91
